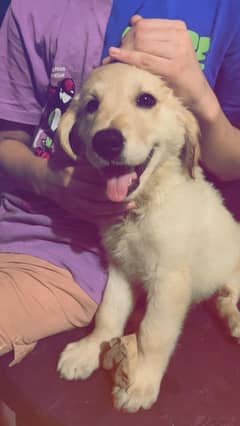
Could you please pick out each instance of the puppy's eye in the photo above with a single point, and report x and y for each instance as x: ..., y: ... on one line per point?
x: 92, y: 105
x: 145, y: 100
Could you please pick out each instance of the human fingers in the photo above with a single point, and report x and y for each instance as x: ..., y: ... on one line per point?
x: 160, y: 48
x: 96, y: 212
x: 135, y: 19
x: 160, y: 37
x: 157, y: 23
x: 107, y: 60
x: 86, y: 173
x: 78, y: 170
x: 78, y: 189
x: 156, y: 65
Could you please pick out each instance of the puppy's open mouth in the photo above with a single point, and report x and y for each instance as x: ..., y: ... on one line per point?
x: 122, y: 180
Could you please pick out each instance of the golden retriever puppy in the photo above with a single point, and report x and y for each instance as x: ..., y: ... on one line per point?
x: 180, y: 241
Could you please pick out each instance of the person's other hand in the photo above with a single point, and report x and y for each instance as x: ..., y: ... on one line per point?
x: 80, y: 189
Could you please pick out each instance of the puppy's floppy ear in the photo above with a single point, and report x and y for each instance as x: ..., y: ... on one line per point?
x: 190, y: 153
x: 66, y: 126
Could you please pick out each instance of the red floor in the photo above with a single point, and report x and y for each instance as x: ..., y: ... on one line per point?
x: 200, y: 388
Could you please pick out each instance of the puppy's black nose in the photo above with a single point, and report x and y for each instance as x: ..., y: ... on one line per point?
x: 108, y: 143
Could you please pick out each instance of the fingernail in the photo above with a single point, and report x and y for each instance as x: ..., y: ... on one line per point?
x: 106, y: 60
x: 114, y: 51
x: 131, y: 205
x: 135, y: 18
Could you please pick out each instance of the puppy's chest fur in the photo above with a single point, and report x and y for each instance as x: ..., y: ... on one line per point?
x: 130, y: 244
x: 139, y: 244
x: 134, y: 245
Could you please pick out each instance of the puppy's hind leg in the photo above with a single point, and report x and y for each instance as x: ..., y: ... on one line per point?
x: 227, y: 304
x: 80, y: 359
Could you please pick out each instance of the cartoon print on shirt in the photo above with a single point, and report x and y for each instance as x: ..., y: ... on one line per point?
x: 58, y: 99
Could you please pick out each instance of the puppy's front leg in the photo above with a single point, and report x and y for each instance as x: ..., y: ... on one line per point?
x: 80, y: 359
x: 168, y: 301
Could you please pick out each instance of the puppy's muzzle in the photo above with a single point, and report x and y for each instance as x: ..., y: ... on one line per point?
x: 108, y: 143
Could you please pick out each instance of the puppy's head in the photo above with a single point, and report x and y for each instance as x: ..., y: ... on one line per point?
x: 127, y: 122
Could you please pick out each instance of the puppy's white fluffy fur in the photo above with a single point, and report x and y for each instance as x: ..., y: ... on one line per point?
x: 180, y: 241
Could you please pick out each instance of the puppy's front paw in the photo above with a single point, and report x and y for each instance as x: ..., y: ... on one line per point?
x: 234, y: 325
x: 228, y: 310
x: 140, y: 394
x: 135, y: 397
x: 79, y: 360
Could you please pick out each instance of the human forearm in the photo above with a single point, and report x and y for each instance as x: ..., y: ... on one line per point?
x: 19, y: 166
x: 220, y: 140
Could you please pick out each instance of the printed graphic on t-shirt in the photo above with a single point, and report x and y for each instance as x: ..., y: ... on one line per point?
x: 59, y: 97
x: 201, y: 46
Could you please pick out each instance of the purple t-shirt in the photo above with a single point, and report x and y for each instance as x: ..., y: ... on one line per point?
x: 46, y: 50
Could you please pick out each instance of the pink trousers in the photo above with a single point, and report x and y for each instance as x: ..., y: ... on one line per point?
x: 37, y: 299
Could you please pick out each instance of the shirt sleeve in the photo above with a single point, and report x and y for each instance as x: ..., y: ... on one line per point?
x: 227, y: 86
x: 25, y: 64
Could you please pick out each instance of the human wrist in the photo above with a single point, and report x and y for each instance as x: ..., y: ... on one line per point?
x: 206, y: 108
x: 37, y: 173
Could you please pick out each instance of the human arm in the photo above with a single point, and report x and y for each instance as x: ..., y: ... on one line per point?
x: 77, y: 189
x: 24, y: 79
x: 20, y: 136
x: 164, y: 47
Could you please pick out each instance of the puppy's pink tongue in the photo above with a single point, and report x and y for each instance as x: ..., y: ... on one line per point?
x: 117, y: 186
